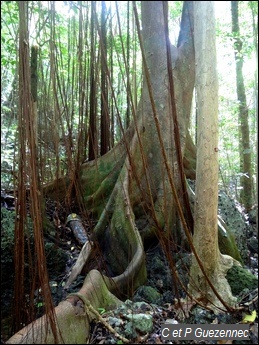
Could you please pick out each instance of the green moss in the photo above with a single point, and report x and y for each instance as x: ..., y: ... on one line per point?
x: 7, y: 235
x: 93, y: 176
x: 240, y: 278
x: 227, y: 242
x: 56, y: 260
x: 147, y: 294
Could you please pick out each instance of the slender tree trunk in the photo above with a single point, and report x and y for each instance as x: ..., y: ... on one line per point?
x: 206, y: 203
x: 19, y: 309
x: 246, y: 195
x: 105, y: 123
x: 93, y: 148
x: 29, y: 176
x: 253, y: 6
x: 127, y: 68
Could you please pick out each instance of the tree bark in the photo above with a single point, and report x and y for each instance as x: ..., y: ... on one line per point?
x: 105, y: 121
x: 93, y: 141
x: 244, y: 136
x: 205, y: 237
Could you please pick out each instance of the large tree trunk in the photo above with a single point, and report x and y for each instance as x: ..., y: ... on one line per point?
x: 132, y: 181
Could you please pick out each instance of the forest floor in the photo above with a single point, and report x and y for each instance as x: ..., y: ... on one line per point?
x: 155, y: 302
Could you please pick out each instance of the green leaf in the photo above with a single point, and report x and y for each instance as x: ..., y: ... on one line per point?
x: 249, y: 318
x: 101, y: 310
x: 40, y: 304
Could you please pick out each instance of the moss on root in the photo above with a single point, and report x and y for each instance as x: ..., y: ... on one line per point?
x: 240, y: 278
x: 227, y: 242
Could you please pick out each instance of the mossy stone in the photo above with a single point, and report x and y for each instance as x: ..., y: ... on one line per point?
x: 240, y: 278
